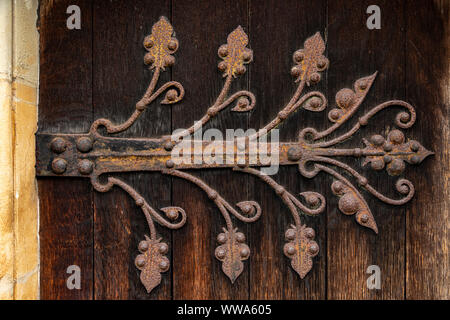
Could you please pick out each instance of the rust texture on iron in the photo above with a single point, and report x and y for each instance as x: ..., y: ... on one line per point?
x: 98, y: 156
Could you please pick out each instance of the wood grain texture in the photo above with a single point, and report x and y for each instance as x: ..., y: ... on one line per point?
x: 428, y: 88
x: 201, y: 28
x: 277, y: 30
x: 65, y: 105
x: 356, y: 52
x: 120, y: 78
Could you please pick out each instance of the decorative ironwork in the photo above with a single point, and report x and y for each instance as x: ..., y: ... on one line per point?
x: 93, y: 154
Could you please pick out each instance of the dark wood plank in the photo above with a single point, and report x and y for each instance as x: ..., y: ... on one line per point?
x: 355, y: 52
x: 427, y: 85
x: 201, y: 28
x: 120, y: 79
x: 278, y: 29
x: 65, y: 105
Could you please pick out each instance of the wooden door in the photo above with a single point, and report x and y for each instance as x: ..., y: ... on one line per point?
x: 98, y: 72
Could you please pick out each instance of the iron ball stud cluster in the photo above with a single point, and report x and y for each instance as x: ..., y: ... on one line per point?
x: 60, y: 146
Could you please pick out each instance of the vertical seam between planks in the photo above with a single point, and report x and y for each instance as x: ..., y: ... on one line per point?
x: 170, y: 177
x: 92, y: 119
x: 326, y: 208
x: 405, y: 258
x: 246, y: 176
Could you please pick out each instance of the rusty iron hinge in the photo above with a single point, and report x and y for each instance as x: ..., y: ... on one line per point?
x: 97, y: 156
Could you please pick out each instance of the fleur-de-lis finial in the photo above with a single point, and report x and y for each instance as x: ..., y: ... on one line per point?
x: 235, y: 54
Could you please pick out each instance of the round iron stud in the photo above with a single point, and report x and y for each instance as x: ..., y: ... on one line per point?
x: 59, y: 165
x: 85, y: 166
x: 58, y: 145
x: 84, y: 144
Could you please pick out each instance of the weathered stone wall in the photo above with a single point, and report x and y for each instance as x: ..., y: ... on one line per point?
x: 19, y: 62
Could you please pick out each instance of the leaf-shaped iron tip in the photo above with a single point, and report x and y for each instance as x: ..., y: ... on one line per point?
x: 232, y: 252
x: 310, y: 60
x: 160, y: 45
x: 235, y: 54
x: 300, y: 248
x: 152, y: 261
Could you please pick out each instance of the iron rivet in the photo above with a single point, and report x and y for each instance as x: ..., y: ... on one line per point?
x: 163, y: 248
x: 337, y: 187
x: 362, y: 181
x: 404, y: 117
x: 335, y: 114
x: 59, y: 165
x: 246, y: 209
x: 396, y: 137
x: 309, y: 233
x: 84, y: 144
x: 148, y: 43
x: 220, y: 253
x: 244, y: 252
x: 223, y: 51
x: 295, y: 71
x: 242, y: 103
x: 388, y: 147
x: 313, y: 248
x: 149, y: 59
x: 345, y: 97
x: 241, y: 70
x: 322, y: 63
x: 171, y: 95
x: 290, y: 250
x: 387, y: 158
x: 140, y: 202
x: 364, y: 218
x: 363, y: 121
x: 294, y: 153
x: 172, y: 214
x: 222, y: 238
x: 290, y: 234
x: 247, y: 56
x: 163, y: 265
x: 140, y: 261
x: 363, y: 85
x: 348, y: 204
x: 143, y: 246
x: 170, y: 164
x: 315, y: 102
x: 168, y: 146
x: 377, y: 164
x: 377, y: 140
x: 315, y: 77
x: 396, y: 167
x: 240, y: 237
x: 58, y: 145
x: 222, y: 66
x: 312, y: 200
x: 298, y: 56
x: 172, y: 45
x: 414, y: 146
x: 85, y: 166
